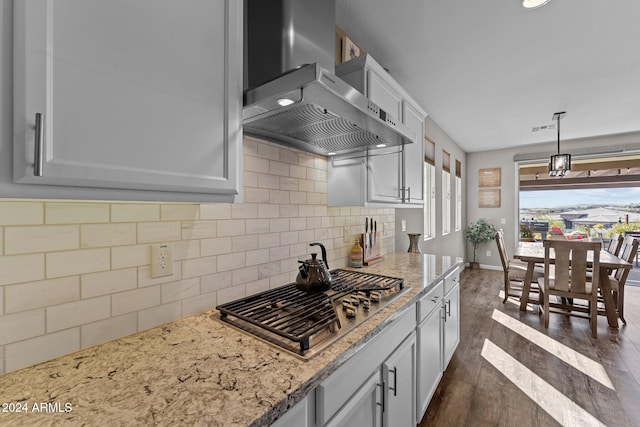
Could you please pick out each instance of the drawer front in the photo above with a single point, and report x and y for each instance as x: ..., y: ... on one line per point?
x: 451, y: 280
x: 432, y: 300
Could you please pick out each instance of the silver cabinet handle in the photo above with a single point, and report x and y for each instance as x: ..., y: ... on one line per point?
x: 38, y: 146
x: 381, y: 404
x: 409, y: 198
x: 395, y: 381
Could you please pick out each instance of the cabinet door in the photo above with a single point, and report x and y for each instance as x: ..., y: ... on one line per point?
x: 414, y: 157
x: 384, y: 171
x: 301, y: 415
x: 133, y: 95
x: 451, y: 323
x: 400, y: 378
x: 364, y: 408
x: 429, y: 359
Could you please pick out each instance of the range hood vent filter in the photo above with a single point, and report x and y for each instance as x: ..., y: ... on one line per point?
x: 314, y: 125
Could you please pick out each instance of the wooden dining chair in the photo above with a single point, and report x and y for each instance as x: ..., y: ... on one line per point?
x: 615, y: 244
x: 618, y: 277
x: 514, y: 274
x: 568, y: 280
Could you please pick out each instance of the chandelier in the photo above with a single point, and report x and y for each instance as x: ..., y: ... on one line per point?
x: 559, y: 164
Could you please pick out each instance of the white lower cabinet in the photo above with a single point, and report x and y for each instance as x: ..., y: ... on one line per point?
x: 399, y: 382
x: 364, y: 408
x: 377, y: 386
x: 430, y: 344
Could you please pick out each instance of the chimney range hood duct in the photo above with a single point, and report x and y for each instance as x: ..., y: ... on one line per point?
x: 293, y: 97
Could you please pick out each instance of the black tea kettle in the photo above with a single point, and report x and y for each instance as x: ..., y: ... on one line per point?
x: 314, y: 275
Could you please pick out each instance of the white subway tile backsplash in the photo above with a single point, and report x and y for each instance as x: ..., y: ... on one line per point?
x: 178, y: 212
x: 145, y: 279
x: 21, y: 213
x: 152, y: 232
x: 244, y: 210
x: 40, y: 294
x: 245, y: 243
x: 41, y: 238
x: 232, y: 293
x: 215, y: 211
x: 81, y: 270
x: 76, y: 213
x: 217, y: 246
x: 21, y: 326
x: 108, y: 282
x: 156, y: 316
x: 176, y: 291
x: 199, y: 229
x: 21, y: 268
x: 135, y: 212
x: 199, y: 304
x: 102, y: 235
x: 39, y: 349
x: 277, y: 225
x: 108, y: 329
x: 255, y: 226
x: 231, y: 261
x: 77, y: 313
x: 138, y: 299
x: 215, y: 282
x: 81, y: 261
x: 130, y: 256
x: 259, y: 256
x: 198, y: 267
x: 231, y: 227
x: 244, y: 275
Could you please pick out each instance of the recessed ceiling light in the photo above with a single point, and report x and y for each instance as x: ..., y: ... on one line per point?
x: 283, y: 102
x: 532, y: 4
x: 332, y: 153
x: 381, y: 145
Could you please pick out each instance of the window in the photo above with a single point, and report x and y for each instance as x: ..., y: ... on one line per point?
x: 446, y: 193
x: 429, y: 190
x: 458, y: 224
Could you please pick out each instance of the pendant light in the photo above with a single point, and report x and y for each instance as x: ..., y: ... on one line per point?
x: 559, y: 164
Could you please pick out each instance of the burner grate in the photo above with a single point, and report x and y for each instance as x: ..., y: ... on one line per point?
x: 292, y: 318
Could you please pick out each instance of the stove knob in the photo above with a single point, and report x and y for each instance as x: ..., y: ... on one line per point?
x: 350, y: 311
x: 346, y: 304
x: 375, y: 296
x: 355, y: 300
x: 366, y: 303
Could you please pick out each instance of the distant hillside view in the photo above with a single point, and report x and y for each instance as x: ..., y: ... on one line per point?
x: 595, y: 221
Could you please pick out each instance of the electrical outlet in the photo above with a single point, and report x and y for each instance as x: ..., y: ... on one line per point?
x: 488, y: 253
x: 345, y: 234
x: 403, y: 225
x: 503, y: 221
x: 161, y: 260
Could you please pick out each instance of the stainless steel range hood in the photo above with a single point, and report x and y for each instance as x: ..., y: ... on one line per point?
x: 289, y: 52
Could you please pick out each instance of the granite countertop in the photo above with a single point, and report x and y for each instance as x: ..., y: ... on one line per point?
x: 196, y: 370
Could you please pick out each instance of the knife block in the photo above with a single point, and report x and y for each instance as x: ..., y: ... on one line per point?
x: 371, y: 247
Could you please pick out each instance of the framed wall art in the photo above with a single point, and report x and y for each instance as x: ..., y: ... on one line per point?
x: 489, y: 198
x: 489, y: 177
x: 350, y: 50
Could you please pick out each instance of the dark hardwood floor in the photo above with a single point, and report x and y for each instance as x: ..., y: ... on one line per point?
x: 510, y: 371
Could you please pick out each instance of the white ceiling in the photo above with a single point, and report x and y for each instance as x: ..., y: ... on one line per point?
x: 487, y: 71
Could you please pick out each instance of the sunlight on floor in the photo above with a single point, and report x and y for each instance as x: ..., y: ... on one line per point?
x: 580, y: 362
x: 511, y: 300
x: 556, y: 404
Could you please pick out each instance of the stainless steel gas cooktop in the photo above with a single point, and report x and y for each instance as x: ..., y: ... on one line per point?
x: 305, y: 323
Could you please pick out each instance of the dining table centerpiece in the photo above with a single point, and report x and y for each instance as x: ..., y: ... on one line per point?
x: 478, y: 233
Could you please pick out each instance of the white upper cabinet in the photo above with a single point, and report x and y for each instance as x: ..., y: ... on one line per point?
x: 392, y: 176
x: 134, y: 95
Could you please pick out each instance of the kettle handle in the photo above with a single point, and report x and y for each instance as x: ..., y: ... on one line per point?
x: 324, y: 253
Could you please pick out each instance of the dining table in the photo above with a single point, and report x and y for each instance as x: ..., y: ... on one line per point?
x: 533, y: 253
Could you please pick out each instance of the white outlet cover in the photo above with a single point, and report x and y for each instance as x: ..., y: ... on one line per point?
x: 161, y: 260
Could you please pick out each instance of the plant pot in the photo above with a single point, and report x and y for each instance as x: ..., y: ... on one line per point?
x: 474, y: 265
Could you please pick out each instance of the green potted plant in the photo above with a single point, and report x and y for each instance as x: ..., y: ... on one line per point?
x: 526, y: 233
x: 479, y: 232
